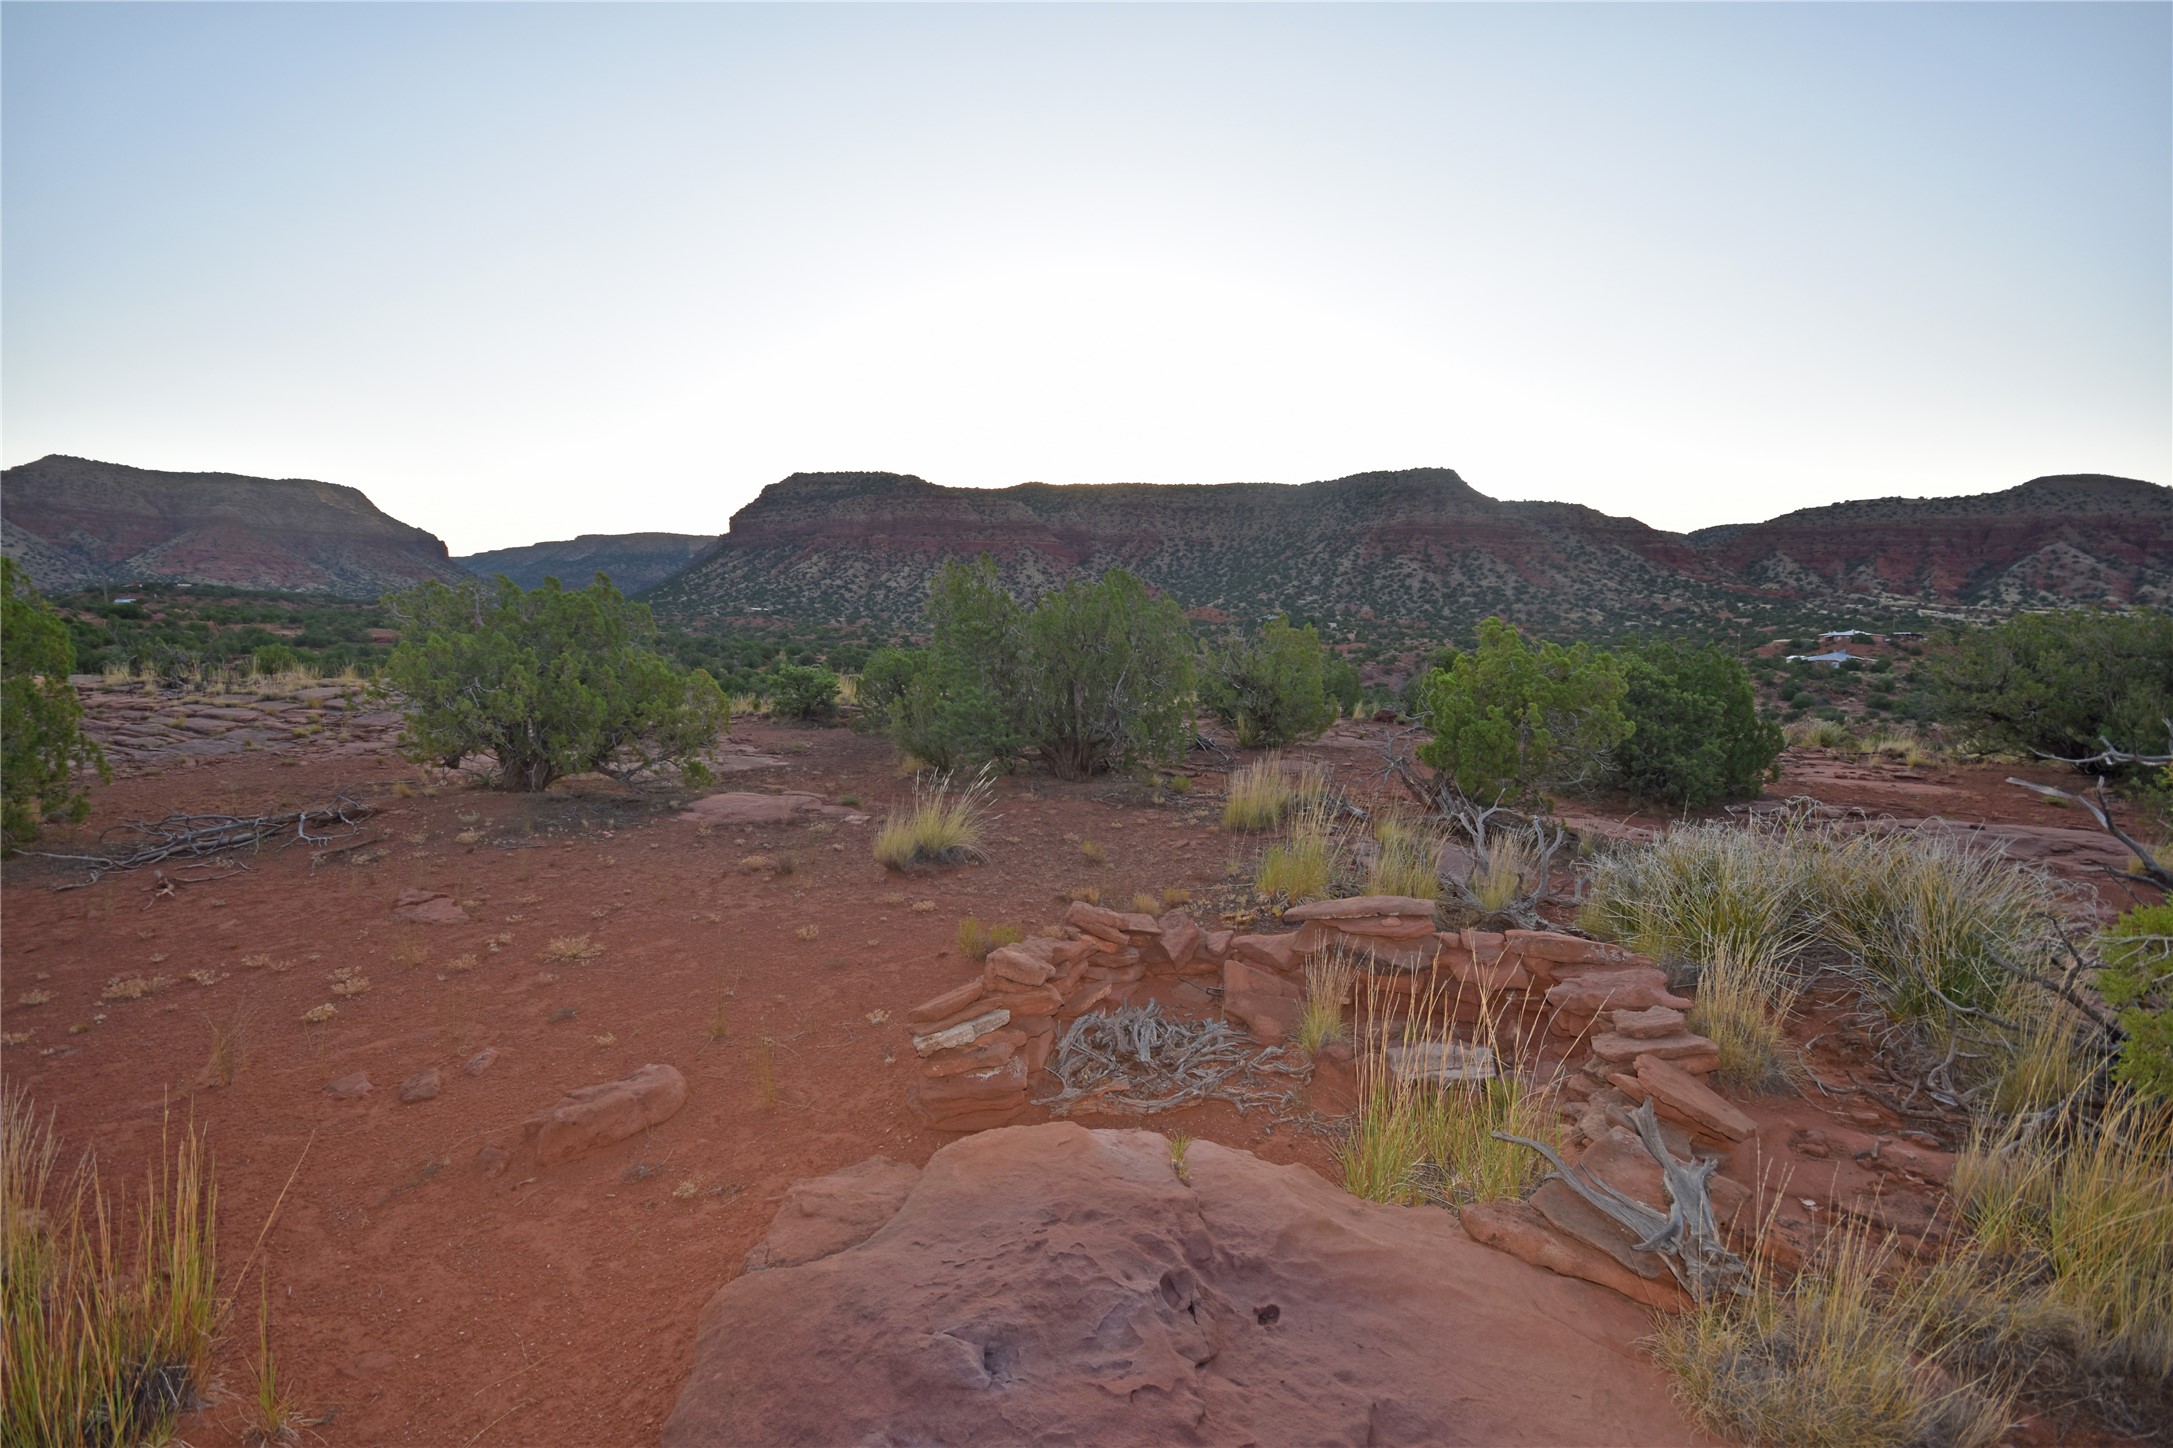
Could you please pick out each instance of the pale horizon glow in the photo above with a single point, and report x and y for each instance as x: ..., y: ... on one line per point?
x: 521, y: 272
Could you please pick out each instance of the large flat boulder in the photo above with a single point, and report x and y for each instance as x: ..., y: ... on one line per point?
x: 1052, y: 1284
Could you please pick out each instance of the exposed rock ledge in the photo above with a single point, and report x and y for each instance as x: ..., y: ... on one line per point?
x: 1052, y: 1284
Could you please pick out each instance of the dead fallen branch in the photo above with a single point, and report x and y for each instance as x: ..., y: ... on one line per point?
x: 1687, y: 1238
x: 2112, y: 756
x: 1138, y: 1060
x: 2146, y: 863
x: 137, y: 844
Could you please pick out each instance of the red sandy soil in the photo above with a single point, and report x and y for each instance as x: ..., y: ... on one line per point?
x: 416, y: 1301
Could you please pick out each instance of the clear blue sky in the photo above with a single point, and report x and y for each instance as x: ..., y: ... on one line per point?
x: 522, y: 272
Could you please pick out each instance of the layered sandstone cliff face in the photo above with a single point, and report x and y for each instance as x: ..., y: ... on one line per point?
x: 1421, y: 544
x: 2081, y: 538
x: 75, y: 523
x: 632, y: 561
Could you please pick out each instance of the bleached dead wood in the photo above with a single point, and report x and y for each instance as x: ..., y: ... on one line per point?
x: 135, y: 844
x: 1687, y: 1238
x: 1137, y: 1059
x: 2146, y: 863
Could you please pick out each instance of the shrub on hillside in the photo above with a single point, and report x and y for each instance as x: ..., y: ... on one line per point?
x: 1107, y: 678
x: 949, y: 709
x: 885, y: 679
x: 1513, y: 720
x: 798, y: 691
x: 1097, y: 675
x: 2061, y: 683
x: 41, y: 719
x: 1346, y: 689
x: 1270, y: 690
x: 1696, y: 737
x: 277, y: 659
x: 547, y: 682
x: 2137, y: 981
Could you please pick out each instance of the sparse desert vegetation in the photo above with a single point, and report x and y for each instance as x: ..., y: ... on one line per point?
x: 1628, y: 939
x: 1890, y: 939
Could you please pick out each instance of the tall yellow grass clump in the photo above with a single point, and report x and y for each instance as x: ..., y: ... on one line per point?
x: 1821, y: 734
x: 2044, y: 1060
x: 1742, y: 1006
x: 1413, y: 1140
x: 2088, y: 1200
x: 1265, y: 791
x: 1302, y: 865
x: 942, y: 828
x: 1930, y: 914
x: 1923, y: 916
x: 1406, y: 858
x: 976, y: 940
x: 1504, y: 875
x: 1327, y: 985
x: 107, y: 1325
x: 1705, y: 890
x: 1854, y: 1353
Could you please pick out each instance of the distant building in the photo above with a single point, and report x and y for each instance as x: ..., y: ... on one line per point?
x: 1833, y: 660
x: 1845, y: 634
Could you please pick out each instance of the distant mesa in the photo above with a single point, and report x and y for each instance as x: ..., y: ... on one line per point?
x: 633, y: 561
x: 75, y: 523
x: 1424, y: 545
x: 1419, y: 545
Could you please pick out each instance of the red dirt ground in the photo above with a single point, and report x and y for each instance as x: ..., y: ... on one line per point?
x: 415, y: 1301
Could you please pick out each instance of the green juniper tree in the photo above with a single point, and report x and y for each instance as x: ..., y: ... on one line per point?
x: 1096, y: 675
x: 42, y: 746
x: 1697, y: 737
x: 1108, y: 678
x: 547, y: 682
x: 1513, y: 720
x: 1271, y: 690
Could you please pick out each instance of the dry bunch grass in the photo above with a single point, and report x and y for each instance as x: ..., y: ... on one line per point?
x: 1505, y: 875
x: 975, y: 940
x: 1265, y: 791
x: 942, y: 828
x: 1850, y: 1354
x: 107, y: 1327
x: 1406, y: 859
x: 1327, y: 986
x: 1302, y: 865
x: 1743, y: 1006
x: 1922, y: 918
x: 1412, y: 1140
x: 2083, y: 1203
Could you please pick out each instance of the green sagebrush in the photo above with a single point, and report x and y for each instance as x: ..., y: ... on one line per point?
x: 547, y: 682
x: 1096, y: 675
x: 1270, y: 690
x: 1512, y: 720
x: 41, y: 719
x: 1696, y: 737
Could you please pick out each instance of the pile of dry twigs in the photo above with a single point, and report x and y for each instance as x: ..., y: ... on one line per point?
x: 134, y: 844
x: 1138, y: 1060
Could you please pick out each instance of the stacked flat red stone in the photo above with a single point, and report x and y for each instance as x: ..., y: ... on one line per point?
x: 1387, y: 933
x: 983, y: 1043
